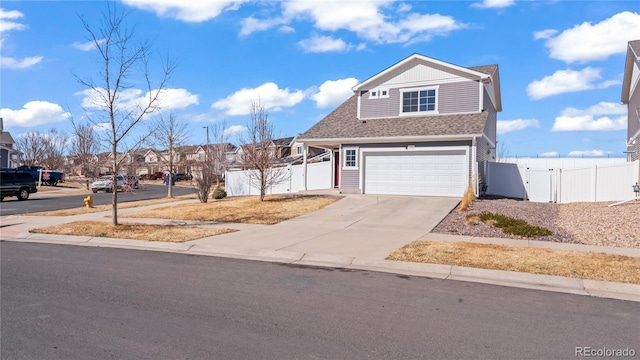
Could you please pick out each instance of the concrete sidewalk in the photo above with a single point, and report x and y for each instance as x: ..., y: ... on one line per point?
x: 357, y: 232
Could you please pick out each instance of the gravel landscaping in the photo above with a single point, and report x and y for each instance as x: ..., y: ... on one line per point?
x: 579, y: 223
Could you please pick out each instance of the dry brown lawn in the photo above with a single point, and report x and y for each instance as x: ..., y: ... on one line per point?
x: 272, y: 210
x: 101, y: 208
x: 575, y: 264
x: 166, y: 233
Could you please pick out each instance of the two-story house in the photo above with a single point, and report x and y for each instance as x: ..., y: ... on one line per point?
x: 631, y: 97
x: 9, y: 157
x: 420, y: 127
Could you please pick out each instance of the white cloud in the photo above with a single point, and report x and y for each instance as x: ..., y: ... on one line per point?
x: 333, y: 93
x: 251, y: 25
x: 601, y: 108
x: 505, y: 126
x: 604, y: 116
x: 130, y: 99
x: 319, y: 44
x: 87, y: 46
x: 564, y: 81
x: 377, y: 21
x: 588, y: 153
x: 268, y: 95
x: 5, y: 20
x: 488, y: 4
x: 34, y: 113
x: 172, y: 99
x: 6, y: 25
x: 188, y: 11
x: 544, y: 34
x: 101, y: 126
x: 234, y: 129
x: 16, y: 64
x: 589, y: 42
x: 549, y: 154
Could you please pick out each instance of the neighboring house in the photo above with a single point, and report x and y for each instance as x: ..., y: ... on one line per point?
x: 9, y: 157
x: 631, y: 97
x: 420, y: 127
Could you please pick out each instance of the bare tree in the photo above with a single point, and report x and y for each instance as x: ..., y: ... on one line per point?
x: 85, y: 146
x: 214, y: 163
x: 170, y: 134
x: 31, y: 146
x: 260, y: 153
x: 44, y: 149
x: 122, y: 62
x: 55, y: 145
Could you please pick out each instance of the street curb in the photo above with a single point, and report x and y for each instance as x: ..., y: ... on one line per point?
x: 587, y: 287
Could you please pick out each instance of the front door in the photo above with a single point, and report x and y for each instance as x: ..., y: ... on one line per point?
x: 336, y: 170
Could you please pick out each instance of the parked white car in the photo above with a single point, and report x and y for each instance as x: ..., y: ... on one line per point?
x: 105, y: 183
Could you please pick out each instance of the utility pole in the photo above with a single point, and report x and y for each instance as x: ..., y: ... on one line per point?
x: 206, y: 151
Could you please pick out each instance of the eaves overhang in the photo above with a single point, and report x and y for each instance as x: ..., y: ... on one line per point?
x: 388, y: 139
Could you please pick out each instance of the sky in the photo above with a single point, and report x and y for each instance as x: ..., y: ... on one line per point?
x: 561, y: 63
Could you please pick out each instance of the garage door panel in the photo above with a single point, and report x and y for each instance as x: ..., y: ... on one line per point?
x: 437, y: 173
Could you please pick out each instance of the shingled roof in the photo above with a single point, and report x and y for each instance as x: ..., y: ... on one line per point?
x: 343, y: 123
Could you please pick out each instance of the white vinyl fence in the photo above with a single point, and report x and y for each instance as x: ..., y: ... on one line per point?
x: 610, y: 182
x: 238, y: 183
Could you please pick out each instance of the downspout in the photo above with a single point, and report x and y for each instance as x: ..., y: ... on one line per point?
x: 474, y: 166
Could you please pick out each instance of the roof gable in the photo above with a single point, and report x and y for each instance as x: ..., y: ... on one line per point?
x: 420, y: 65
x: 633, y: 57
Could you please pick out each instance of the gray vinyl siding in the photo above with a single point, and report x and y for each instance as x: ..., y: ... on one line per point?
x: 380, y: 108
x: 483, y: 154
x: 350, y: 180
x: 458, y: 97
x: 490, y: 126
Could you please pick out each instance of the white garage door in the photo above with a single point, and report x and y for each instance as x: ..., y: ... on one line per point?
x: 433, y: 173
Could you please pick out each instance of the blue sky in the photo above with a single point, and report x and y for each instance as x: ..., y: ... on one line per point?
x: 561, y: 62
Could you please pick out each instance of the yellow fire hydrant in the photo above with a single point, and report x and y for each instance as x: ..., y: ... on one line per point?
x: 88, y: 201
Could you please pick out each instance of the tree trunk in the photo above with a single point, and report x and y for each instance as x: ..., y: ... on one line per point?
x: 114, y: 189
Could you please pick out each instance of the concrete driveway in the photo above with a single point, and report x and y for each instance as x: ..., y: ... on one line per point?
x: 358, y: 225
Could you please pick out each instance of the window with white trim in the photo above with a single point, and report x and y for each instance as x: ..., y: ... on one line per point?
x: 419, y: 101
x: 378, y: 93
x: 299, y: 150
x: 350, y: 158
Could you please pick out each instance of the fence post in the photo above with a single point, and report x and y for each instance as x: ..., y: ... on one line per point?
x: 559, y: 186
x: 594, y: 183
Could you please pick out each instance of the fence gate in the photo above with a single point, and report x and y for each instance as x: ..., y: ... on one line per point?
x: 540, y: 185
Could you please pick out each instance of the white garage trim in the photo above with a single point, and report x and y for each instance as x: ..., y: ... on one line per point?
x: 456, y: 178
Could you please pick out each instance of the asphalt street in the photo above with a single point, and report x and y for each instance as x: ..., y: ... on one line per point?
x: 72, y: 302
x: 49, y: 201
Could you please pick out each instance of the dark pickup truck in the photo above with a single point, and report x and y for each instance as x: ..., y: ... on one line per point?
x: 15, y: 183
x: 49, y: 177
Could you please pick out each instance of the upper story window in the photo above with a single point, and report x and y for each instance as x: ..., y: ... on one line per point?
x: 419, y: 101
x: 378, y: 93
x: 299, y: 149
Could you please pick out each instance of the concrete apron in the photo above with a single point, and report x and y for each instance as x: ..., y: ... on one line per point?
x: 356, y: 226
